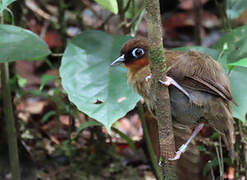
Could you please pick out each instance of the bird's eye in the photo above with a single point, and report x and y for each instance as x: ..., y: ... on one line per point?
x: 137, y: 52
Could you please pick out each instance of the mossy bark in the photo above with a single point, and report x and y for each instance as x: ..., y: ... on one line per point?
x: 160, y: 94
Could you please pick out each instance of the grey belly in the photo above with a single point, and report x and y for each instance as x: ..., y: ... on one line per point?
x: 185, y: 112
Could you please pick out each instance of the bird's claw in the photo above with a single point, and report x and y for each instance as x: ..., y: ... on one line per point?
x: 168, y: 81
x: 181, y: 150
x: 161, y: 163
x: 178, y: 155
x: 148, y: 77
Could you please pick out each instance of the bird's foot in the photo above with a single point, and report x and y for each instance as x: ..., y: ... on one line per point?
x: 178, y: 155
x: 169, y: 81
x: 181, y: 150
x: 148, y: 77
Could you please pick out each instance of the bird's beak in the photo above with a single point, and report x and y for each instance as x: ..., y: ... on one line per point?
x: 118, y: 61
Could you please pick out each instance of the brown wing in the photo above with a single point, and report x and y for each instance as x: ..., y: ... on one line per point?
x: 196, y: 71
x: 211, y: 87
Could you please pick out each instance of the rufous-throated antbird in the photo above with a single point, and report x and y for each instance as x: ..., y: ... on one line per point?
x: 198, y: 87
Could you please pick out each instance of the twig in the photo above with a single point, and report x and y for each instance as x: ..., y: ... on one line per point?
x: 105, y: 21
x: 212, y: 172
x: 87, y: 3
x: 121, y: 13
x: 126, y: 7
x: 160, y: 94
x: 44, y: 29
x: 148, y: 143
x: 35, y: 8
x: 220, y: 159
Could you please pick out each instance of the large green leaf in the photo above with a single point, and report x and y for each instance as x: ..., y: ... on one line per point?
x: 242, y: 63
x: 92, y: 85
x: 134, y: 8
x: 238, y: 77
x: 210, y: 52
x: 235, y: 8
x: 110, y: 5
x: 4, y: 4
x: 20, y: 44
x: 234, y: 44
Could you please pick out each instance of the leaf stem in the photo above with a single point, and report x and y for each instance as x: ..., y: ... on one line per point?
x: 9, y: 118
x: 10, y: 123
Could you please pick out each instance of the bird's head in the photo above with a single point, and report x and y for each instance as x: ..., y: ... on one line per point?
x: 134, y: 54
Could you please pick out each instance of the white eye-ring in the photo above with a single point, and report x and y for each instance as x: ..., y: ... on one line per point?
x: 137, y: 52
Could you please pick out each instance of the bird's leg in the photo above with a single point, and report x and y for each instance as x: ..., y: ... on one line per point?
x: 169, y: 81
x: 183, y: 148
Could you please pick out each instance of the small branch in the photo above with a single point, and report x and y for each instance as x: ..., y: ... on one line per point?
x: 121, y: 13
x: 44, y: 29
x: 35, y: 8
x: 126, y: 7
x: 9, y: 119
x: 148, y: 143
x: 160, y: 94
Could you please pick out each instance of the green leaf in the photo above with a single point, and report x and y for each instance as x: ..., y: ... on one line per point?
x: 47, y: 116
x: 45, y: 79
x: 86, y: 125
x: 36, y: 92
x: 242, y: 63
x: 21, y: 81
x: 92, y: 85
x: 238, y: 86
x: 210, y: 165
x: 126, y: 138
x: 215, y: 136
x: 203, y: 149
x: 233, y: 44
x: 19, y: 44
x: 4, y: 4
x: 222, y: 59
x: 134, y: 8
x: 215, y: 54
x: 110, y: 5
x: 234, y: 8
x: 210, y: 52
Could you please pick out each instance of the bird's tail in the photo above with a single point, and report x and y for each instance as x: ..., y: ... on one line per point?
x: 229, y: 136
x: 225, y: 126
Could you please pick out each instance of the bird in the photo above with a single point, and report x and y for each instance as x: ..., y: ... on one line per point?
x: 199, y: 89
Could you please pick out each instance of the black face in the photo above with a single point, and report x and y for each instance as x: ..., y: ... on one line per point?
x: 134, y: 54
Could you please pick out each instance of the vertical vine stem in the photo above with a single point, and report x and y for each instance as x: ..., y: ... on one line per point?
x: 148, y: 143
x: 160, y: 94
x: 198, y: 21
x: 9, y: 120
